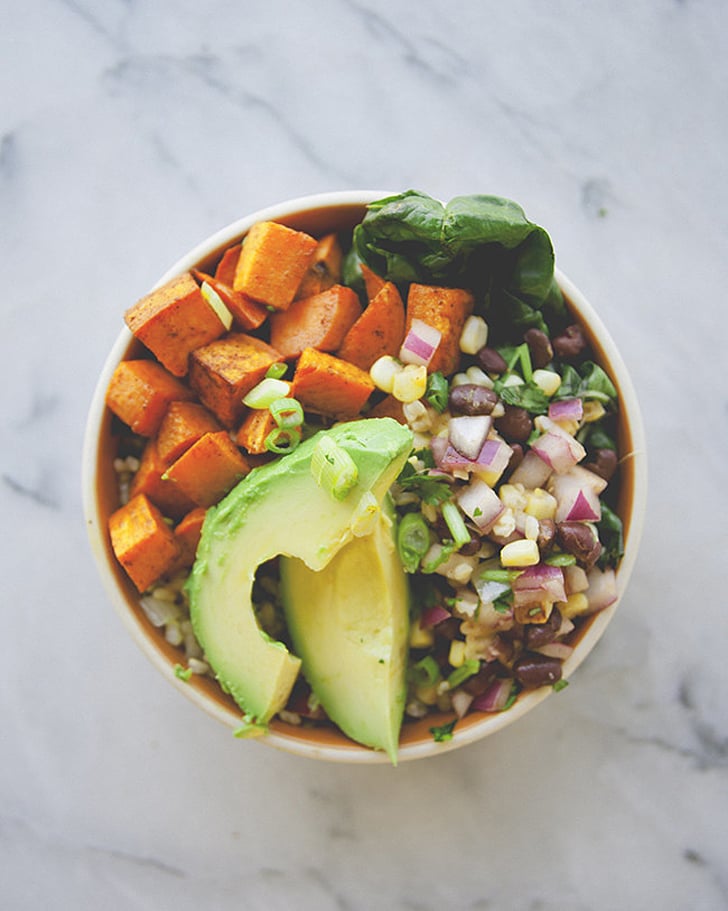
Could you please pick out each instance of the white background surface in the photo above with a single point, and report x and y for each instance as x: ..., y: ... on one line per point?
x: 129, y: 131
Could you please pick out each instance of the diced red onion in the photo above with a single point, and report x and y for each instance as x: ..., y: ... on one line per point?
x: 602, y: 589
x: 461, y: 701
x: 481, y: 504
x: 560, y: 451
x: 438, y: 445
x: 468, y: 432
x: 452, y: 460
x: 495, y: 456
x: 566, y: 410
x: 575, y: 500
x: 538, y: 584
x: 589, y: 479
x: 420, y: 343
x: 559, y: 650
x: 533, y: 472
x: 494, y: 699
x: 431, y: 616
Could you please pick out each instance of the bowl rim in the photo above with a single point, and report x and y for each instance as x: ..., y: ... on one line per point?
x: 286, y: 740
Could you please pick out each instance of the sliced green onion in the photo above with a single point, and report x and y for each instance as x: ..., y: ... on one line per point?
x: 437, y: 391
x: 560, y: 685
x: 287, y: 412
x: 524, y: 354
x: 442, y: 556
x: 455, y: 522
x: 560, y: 560
x: 413, y: 540
x: 217, y: 304
x: 461, y: 674
x: 265, y: 392
x: 425, y: 671
x: 282, y: 440
x: 276, y: 371
x: 506, y: 576
x: 333, y: 468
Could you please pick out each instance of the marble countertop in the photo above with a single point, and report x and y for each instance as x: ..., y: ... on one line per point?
x: 128, y: 132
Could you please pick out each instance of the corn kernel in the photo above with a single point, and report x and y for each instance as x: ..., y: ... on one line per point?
x: 419, y: 637
x: 474, y: 335
x: 410, y: 383
x: 547, y: 381
x: 383, y: 372
x: 575, y: 604
x: 531, y: 529
x: 460, y: 379
x: 417, y: 416
x: 513, y: 379
x: 512, y: 496
x: 520, y: 553
x: 505, y: 525
x: 456, y: 655
x: 540, y: 504
x: 593, y: 411
x: 427, y: 694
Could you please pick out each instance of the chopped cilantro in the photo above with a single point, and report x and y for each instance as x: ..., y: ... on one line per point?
x: 437, y: 391
x: 461, y: 674
x: 182, y: 673
x: 443, y: 732
x: 560, y: 685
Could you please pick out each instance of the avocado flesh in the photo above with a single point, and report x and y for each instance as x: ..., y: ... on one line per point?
x: 349, y: 624
x: 278, y: 509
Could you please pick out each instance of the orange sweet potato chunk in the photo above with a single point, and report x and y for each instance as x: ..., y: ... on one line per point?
x: 209, y: 469
x: 246, y: 313
x: 325, y: 384
x: 372, y: 282
x: 252, y: 433
x: 320, y: 321
x: 187, y: 534
x: 140, y: 392
x: 150, y: 481
x: 143, y: 542
x: 224, y: 371
x: 225, y: 271
x: 378, y: 331
x: 272, y: 263
x: 183, y: 424
x: 445, y: 309
x: 325, y: 268
x: 174, y: 320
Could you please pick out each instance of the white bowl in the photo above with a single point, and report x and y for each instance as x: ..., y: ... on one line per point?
x: 318, y: 215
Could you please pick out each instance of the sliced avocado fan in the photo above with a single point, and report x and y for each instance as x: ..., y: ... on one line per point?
x: 280, y: 509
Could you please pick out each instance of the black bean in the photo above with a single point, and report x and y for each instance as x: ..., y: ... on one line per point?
x: 533, y: 670
x: 490, y: 360
x: 537, y: 634
x: 539, y: 347
x: 578, y: 539
x: 480, y: 682
x: 570, y: 343
x: 603, y: 463
x: 472, y: 546
x: 546, y: 535
x: 472, y: 399
x: 515, y: 425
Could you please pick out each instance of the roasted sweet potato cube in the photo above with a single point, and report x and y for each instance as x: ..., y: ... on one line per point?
x: 225, y: 271
x: 378, y: 331
x: 224, y: 371
x: 174, y: 320
x: 320, y: 321
x: 150, y: 481
x: 272, y: 263
x: 325, y: 268
x: 143, y: 542
x: 246, y: 313
x: 140, y: 392
x: 388, y: 407
x: 252, y: 433
x: 209, y: 469
x: 187, y: 534
x: 325, y: 384
x: 183, y: 424
x: 372, y: 282
x: 445, y: 309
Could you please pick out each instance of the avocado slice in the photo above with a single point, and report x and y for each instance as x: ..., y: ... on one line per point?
x: 349, y: 625
x: 279, y: 509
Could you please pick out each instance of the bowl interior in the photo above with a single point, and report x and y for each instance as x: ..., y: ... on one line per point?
x: 319, y: 215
